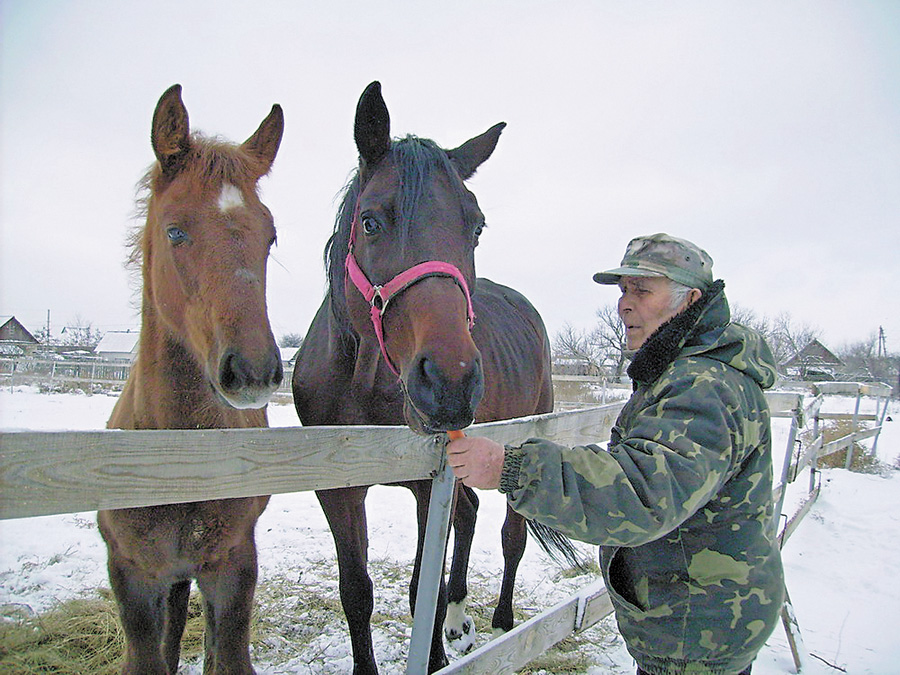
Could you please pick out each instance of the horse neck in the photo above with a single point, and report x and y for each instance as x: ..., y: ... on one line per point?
x: 169, y: 390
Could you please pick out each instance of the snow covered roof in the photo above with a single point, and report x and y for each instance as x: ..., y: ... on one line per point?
x: 118, y: 341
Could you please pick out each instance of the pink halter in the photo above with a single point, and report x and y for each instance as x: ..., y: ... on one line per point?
x: 378, y: 297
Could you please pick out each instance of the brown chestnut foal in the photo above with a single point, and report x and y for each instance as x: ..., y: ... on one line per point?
x: 207, y: 359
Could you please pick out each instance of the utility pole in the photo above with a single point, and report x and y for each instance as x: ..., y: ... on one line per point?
x: 882, y: 347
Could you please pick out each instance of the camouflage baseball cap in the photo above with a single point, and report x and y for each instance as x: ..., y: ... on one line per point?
x: 659, y: 255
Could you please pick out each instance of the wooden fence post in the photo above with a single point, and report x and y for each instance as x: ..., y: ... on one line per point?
x: 880, y: 421
x: 792, y: 629
x: 854, y: 428
x: 788, y: 617
x: 785, y: 470
x: 814, y: 464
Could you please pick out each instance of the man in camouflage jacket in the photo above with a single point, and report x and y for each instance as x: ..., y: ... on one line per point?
x: 681, y: 501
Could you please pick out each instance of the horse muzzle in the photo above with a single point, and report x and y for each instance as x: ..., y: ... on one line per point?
x: 244, y: 383
x: 435, y: 402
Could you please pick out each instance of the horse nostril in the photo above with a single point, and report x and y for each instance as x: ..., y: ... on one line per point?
x: 441, y: 400
x: 233, y: 372
x: 428, y: 380
x: 236, y: 372
x: 276, y: 373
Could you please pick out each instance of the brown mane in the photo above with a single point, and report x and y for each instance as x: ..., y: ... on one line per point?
x: 213, y: 161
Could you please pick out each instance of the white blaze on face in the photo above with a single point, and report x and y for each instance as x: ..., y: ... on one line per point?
x: 230, y: 198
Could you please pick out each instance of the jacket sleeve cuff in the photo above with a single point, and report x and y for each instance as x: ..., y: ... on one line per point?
x: 509, y: 474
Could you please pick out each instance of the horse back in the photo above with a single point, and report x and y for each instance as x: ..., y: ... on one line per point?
x: 515, y: 352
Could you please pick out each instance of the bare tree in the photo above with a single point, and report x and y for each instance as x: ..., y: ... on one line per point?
x: 291, y: 340
x: 870, y: 360
x: 788, y: 339
x: 601, y: 349
x: 81, y: 333
x: 571, y: 343
x: 610, y: 336
x: 749, y: 318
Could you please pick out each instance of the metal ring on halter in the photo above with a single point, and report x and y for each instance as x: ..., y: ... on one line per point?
x: 380, y: 296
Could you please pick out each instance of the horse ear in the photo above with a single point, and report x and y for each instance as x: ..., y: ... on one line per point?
x: 471, y: 154
x: 265, y: 141
x: 170, y: 136
x: 372, y: 128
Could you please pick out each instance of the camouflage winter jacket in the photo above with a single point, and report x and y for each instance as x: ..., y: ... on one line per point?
x: 681, y: 502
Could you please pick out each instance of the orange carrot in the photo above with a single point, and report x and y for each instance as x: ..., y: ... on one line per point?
x: 455, y: 433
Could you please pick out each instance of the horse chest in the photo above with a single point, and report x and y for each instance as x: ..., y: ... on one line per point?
x: 179, y: 536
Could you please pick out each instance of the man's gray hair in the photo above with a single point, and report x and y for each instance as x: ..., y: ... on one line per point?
x: 678, y: 293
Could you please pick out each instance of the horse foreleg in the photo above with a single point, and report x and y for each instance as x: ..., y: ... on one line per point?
x: 176, y: 617
x: 513, y: 536
x: 141, y: 611
x: 346, y: 514
x: 459, y: 628
x: 437, y: 658
x: 228, y: 589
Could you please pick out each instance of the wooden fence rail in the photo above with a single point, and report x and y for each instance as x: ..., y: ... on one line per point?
x: 96, y: 372
x: 43, y: 473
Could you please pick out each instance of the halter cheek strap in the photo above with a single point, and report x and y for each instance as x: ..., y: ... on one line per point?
x: 379, y: 297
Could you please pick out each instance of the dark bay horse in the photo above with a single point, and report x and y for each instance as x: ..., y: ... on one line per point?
x: 406, y: 333
x: 207, y: 359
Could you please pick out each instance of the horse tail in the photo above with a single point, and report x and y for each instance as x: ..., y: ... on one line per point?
x: 558, y: 546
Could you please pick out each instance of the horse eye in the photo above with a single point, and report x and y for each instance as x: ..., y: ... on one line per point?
x: 176, y: 235
x: 370, y: 225
x: 477, y: 233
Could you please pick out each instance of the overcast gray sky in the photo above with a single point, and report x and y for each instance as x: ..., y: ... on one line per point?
x: 766, y: 132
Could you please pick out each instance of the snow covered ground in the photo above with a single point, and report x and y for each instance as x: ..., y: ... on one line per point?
x: 842, y: 564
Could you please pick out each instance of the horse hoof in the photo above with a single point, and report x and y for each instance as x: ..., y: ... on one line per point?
x: 462, y: 640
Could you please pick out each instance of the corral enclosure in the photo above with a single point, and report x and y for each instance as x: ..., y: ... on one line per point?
x: 311, y: 516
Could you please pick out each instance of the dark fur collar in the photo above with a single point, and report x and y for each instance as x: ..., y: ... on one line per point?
x: 666, y: 343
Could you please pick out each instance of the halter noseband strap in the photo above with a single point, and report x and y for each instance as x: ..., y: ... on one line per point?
x: 379, y: 297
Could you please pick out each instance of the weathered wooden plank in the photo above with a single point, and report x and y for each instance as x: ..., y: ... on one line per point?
x: 847, y: 416
x: 44, y: 473
x: 783, y: 403
x: 812, y: 408
x: 524, y: 643
x: 839, y: 444
x: 794, y: 521
x: 597, y: 605
x: 589, y: 425
x: 836, y: 445
x: 854, y: 388
x: 510, y: 652
x: 810, y: 453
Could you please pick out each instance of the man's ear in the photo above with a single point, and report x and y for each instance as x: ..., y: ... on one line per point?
x: 693, y: 296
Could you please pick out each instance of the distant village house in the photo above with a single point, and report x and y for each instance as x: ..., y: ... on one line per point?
x: 118, y: 345
x: 15, y: 340
x: 814, y: 362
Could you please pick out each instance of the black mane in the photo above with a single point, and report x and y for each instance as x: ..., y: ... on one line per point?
x: 417, y: 159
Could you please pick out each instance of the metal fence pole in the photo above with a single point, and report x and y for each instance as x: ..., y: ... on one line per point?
x: 431, y: 569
